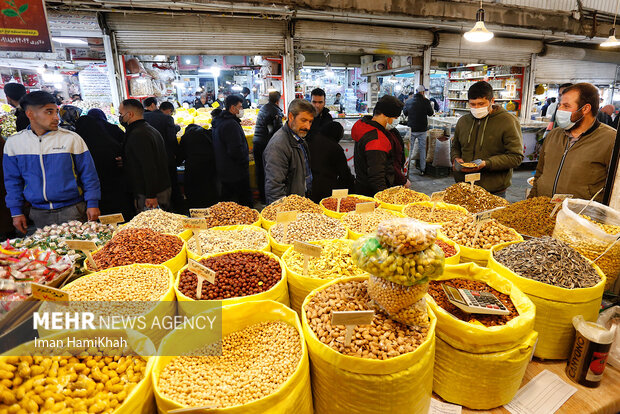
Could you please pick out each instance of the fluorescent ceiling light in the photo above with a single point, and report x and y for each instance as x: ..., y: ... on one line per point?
x: 70, y: 41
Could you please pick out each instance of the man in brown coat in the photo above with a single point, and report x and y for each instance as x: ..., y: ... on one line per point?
x: 575, y: 157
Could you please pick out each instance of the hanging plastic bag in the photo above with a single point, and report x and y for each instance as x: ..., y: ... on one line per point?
x: 393, y: 297
x: 415, y: 315
x: 406, y: 235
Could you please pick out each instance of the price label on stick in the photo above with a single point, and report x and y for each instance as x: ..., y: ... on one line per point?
x: 285, y: 217
x: 472, y: 178
x: 307, y: 250
x: 438, y: 196
x: 85, y: 246
x: 339, y: 195
x: 195, y: 224
x: 113, y: 219
x: 203, y: 273
x: 558, y: 199
x: 363, y: 209
x: 51, y: 294
x: 198, y: 212
x: 481, y: 218
x: 350, y: 319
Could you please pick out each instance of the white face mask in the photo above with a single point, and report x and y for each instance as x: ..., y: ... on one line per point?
x: 240, y: 114
x: 392, y: 125
x: 563, y: 118
x: 479, y: 113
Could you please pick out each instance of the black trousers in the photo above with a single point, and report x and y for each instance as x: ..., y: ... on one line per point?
x: 238, y: 191
x: 258, y: 150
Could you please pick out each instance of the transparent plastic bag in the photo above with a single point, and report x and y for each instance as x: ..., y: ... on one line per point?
x: 591, y: 237
x: 393, y: 297
x: 370, y: 256
x: 415, y: 315
x: 406, y: 235
x: 610, y: 319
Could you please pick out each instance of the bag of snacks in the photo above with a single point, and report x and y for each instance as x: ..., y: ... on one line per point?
x: 407, y: 270
x: 406, y: 235
x: 475, y: 347
x: 392, y: 297
x: 415, y: 315
x: 292, y: 394
x: 555, y: 305
x: 398, y: 380
x: 591, y: 229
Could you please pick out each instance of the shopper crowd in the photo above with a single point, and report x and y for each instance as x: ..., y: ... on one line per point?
x: 61, y: 166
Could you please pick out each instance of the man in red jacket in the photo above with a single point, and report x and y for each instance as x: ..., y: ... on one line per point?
x: 373, y: 155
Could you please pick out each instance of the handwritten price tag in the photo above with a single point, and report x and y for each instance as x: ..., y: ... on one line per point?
x: 203, y: 273
x: 438, y: 196
x: 198, y: 212
x: 558, y: 199
x: 112, y: 219
x: 195, y: 224
x: 351, y: 319
x: 472, y: 178
x: 340, y: 193
x: 308, y: 249
x: 363, y: 208
x: 82, y: 245
x: 43, y: 292
x: 286, y: 216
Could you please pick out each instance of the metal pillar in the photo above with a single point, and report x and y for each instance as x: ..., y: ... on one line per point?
x: 112, y: 70
x: 528, y: 91
x: 288, y: 72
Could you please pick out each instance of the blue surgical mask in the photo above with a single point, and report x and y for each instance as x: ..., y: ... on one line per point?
x: 563, y: 118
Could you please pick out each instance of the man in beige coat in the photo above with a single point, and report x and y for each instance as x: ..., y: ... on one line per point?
x: 575, y: 157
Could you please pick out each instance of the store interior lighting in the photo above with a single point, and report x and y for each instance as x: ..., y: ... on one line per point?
x: 479, y: 32
x: 611, y: 40
x: 236, y: 88
x: 70, y: 41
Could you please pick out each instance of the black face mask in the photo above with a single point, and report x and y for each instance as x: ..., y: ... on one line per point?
x: 120, y: 119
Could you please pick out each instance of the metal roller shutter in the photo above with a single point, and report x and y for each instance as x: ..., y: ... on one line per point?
x: 568, y: 70
x: 312, y: 36
x: 498, y: 51
x: 183, y: 34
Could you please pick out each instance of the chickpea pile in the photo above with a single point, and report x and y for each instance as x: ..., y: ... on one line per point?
x: 68, y: 384
x: 463, y: 231
x: 254, y: 363
x: 335, y: 261
x: 382, y: 339
x: 157, y: 220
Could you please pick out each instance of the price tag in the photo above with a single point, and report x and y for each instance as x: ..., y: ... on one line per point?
x: 198, y: 212
x: 558, y: 199
x: 308, y: 250
x: 339, y: 195
x: 113, y: 219
x: 285, y: 217
x: 85, y: 246
x: 438, y: 196
x: 481, y: 218
x: 51, y: 294
x: 195, y: 224
x: 472, y: 178
x: 351, y: 319
x: 202, y: 273
x: 363, y: 208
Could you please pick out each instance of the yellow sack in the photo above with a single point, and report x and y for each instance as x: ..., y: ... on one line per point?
x: 477, y: 256
x: 555, y: 308
x: 265, y: 248
x: 139, y: 400
x: 299, y: 286
x: 452, y: 260
x: 478, y: 338
x: 278, y: 293
x: 480, y: 381
x: 345, y: 384
x: 439, y: 205
x: 294, y: 396
x: 354, y: 235
x: 337, y: 215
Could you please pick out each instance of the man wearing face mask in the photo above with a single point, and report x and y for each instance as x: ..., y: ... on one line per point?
x: 287, y: 157
x: 575, y: 157
x: 232, y: 154
x: 374, y: 153
x: 491, y: 137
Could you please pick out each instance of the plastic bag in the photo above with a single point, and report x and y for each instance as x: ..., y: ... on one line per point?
x: 587, y: 237
x: 293, y: 396
x: 392, y: 297
x: 610, y: 319
x: 415, y: 315
x: 398, y: 385
x: 405, y: 235
x: 442, y: 154
x: 406, y: 270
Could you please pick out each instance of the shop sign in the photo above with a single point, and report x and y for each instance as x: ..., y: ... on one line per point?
x: 23, y: 26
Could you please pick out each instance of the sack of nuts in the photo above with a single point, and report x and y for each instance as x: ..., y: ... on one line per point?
x: 406, y: 235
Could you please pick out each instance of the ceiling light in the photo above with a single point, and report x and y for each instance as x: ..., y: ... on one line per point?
x: 236, y: 88
x: 479, y: 32
x: 187, y: 61
x: 215, y: 70
x: 70, y: 41
x: 611, y: 40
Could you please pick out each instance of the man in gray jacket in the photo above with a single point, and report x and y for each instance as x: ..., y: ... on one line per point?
x: 286, y: 158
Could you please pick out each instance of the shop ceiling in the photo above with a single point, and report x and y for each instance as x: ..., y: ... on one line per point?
x: 565, y: 21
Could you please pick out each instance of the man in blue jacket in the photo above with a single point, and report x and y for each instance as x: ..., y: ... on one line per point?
x: 49, y: 167
x: 232, y: 155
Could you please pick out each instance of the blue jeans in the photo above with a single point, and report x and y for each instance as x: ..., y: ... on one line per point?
x: 421, y: 137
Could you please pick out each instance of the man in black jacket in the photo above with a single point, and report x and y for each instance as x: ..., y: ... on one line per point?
x: 268, y: 121
x: 322, y: 115
x: 164, y: 124
x: 232, y: 154
x: 417, y: 109
x: 246, y: 102
x: 145, y: 161
x: 150, y: 105
x: 14, y: 92
x: 196, y: 149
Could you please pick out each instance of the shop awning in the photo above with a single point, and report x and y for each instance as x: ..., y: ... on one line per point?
x: 313, y: 36
x: 557, y: 71
x: 183, y: 34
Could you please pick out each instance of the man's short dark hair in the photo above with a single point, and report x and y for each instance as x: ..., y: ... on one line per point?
x: 166, y: 106
x: 317, y: 92
x: 298, y: 106
x: 588, y: 94
x: 389, y: 106
x: 150, y: 101
x: 232, y: 100
x: 565, y: 85
x: 480, y: 89
x: 134, y: 104
x: 15, y: 91
x: 274, y: 97
x: 38, y: 98
x: 245, y: 90
x: 338, y: 94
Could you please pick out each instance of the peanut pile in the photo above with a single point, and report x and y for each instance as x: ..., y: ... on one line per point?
x: 255, y: 363
x: 368, y: 222
x: 335, y: 261
x: 530, y: 217
x: 216, y: 241
x: 382, y: 339
x: 309, y: 227
x: 157, y: 220
x: 227, y: 214
x: 474, y: 201
x: 439, y: 215
x: 290, y: 203
x: 400, y: 195
x: 463, y: 232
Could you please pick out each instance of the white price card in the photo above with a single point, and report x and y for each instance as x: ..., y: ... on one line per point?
x: 111, y: 219
x: 198, y: 212
x: 307, y: 249
x: 440, y: 407
x: 43, y: 292
x: 201, y: 270
x: 286, y: 216
x: 195, y: 224
x: 472, y: 178
x: 559, y: 198
x: 362, y: 208
x: 484, y: 216
x: 340, y: 193
x: 544, y: 394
